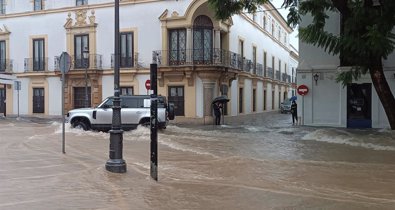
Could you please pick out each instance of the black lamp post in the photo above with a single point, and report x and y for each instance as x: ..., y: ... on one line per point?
x: 315, y: 77
x: 85, y: 54
x: 115, y: 163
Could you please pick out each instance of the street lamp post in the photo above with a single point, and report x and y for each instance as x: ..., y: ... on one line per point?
x: 115, y: 163
x: 85, y: 54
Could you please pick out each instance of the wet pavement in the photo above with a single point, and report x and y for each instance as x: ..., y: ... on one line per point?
x: 253, y: 162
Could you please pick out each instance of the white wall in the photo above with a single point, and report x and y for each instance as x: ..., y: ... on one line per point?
x: 259, y: 96
x: 235, y: 99
x: 313, y: 57
x: 23, y: 96
x: 142, y: 79
x: 253, y: 36
x: 108, y: 86
x: 199, y: 97
x: 247, y: 96
x: 55, y: 95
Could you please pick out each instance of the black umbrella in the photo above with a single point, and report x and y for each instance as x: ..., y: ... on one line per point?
x: 220, y: 99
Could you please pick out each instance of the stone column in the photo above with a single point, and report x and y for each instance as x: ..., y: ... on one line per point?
x: 217, y: 46
x: 189, y: 50
x: 217, y: 39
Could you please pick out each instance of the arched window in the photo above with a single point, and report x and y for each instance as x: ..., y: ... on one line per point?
x: 202, y: 40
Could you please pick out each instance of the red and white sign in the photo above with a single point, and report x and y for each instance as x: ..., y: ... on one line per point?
x: 302, y: 90
x: 148, y: 84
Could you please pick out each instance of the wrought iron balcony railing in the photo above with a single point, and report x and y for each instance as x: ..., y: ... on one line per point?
x: 284, y: 77
x: 6, y: 65
x: 277, y: 75
x: 36, y: 64
x: 259, y: 69
x: 264, y: 71
x: 215, y: 57
x: 126, y: 61
x: 93, y: 62
x: 270, y: 72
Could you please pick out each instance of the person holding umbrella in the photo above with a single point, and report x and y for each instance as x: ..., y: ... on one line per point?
x: 294, y: 111
x: 217, y: 106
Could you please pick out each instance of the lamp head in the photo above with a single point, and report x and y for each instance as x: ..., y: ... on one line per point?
x: 315, y: 77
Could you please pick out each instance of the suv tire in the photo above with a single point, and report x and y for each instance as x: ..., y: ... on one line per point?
x: 81, y: 125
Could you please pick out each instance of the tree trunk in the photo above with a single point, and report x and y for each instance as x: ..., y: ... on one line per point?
x: 384, y: 92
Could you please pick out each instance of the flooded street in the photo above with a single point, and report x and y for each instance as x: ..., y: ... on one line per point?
x: 260, y: 162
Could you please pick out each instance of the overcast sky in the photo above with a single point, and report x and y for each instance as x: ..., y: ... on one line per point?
x: 284, y: 12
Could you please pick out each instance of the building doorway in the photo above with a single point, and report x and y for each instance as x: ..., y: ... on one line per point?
x: 359, y: 105
x: 79, y: 97
x: 176, y: 96
x: 38, y: 100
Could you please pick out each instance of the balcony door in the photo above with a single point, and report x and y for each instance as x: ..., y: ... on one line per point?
x: 202, y: 40
x: 81, y: 43
x: 2, y: 56
x: 126, y: 46
x: 38, y: 55
x: 177, y: 44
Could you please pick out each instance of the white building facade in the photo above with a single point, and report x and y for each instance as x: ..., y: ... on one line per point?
x: 248, y: 57
x: 328, y: 103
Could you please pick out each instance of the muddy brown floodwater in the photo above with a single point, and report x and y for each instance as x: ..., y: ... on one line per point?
x: 256, y: 162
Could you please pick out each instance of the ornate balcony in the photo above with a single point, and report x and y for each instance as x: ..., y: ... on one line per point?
x: 193, y: 57
x: 36, y: 64
x: 93, y: 62
x: 277, y: 75
x: 214, y: 57
x: 6, y: 66
x: 270, y: 72
x: 126, y: 61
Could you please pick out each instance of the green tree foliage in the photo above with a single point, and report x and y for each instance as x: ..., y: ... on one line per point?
x: 366, y: 36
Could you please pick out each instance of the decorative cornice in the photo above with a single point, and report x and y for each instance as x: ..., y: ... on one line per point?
x: 163, y: 16
x: 80, y: 19
x: 4, y: 31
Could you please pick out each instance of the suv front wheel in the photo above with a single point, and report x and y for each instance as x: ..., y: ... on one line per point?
x: 81, y: 124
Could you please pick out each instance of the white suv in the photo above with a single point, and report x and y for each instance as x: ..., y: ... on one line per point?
x: 135, y: 110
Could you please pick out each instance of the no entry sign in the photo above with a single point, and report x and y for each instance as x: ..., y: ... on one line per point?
x: 148, y: 84
x: 302, y: 90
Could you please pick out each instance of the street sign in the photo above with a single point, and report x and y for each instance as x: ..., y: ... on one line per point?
x: 302, y: 90
x: 148, y: 84
x: 64, y: 62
